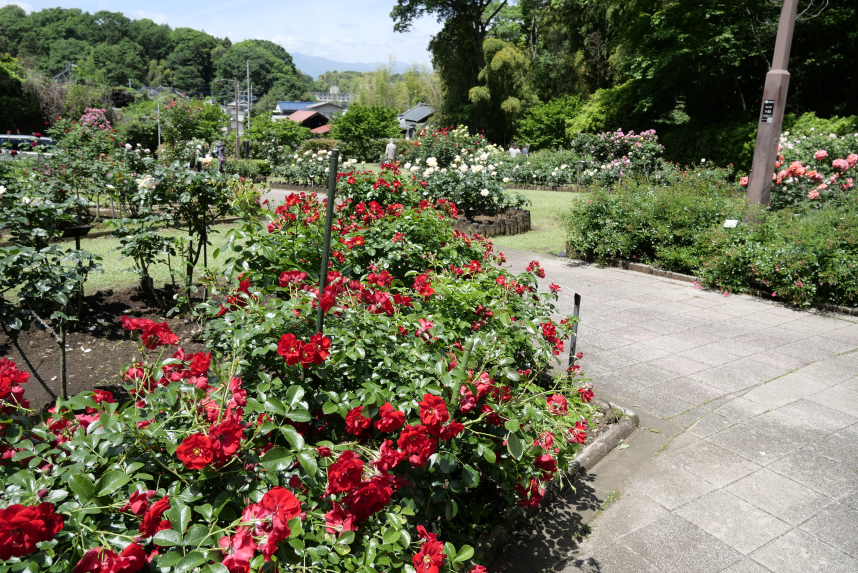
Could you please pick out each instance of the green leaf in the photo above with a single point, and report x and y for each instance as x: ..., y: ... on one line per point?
x: 514, y: 446
x: 195, y: 535
x: 299, y: 415
x: 391, y: 536
x: 308, y: 462
x: 465, y: 553
x: 275, y: 406
x: 451, y: 509
x: 180, y: 516
x: 293, y: 437
x: 169, y: 559
x: 204, y: 510
x: 82, y: 487
x: 110, y: 482
x: 25, y: 479
x: 277, y: 459
x: 293, y: 396
x: 512, y: 425
x: 447, y: 462
x: 489, y: 455
x: 470, y: 476
x: 329, y: 407
x: 450, y: 551
x: 346, y: 538
x: 189, y: 561
x: 215, y: 568
x: 167, y: 538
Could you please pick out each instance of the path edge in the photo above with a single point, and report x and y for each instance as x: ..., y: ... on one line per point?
x: 488, y: 550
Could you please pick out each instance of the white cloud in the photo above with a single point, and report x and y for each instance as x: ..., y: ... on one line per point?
x: 27, y: 7
x: 348, y: 41
x: 158, y: 18
x: 324, y: 41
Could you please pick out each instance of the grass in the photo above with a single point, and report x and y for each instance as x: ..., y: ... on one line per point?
x: 548, y: 235
x: 116, y: 273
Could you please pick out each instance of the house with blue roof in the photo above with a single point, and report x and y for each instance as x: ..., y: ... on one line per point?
x: 287, y: 108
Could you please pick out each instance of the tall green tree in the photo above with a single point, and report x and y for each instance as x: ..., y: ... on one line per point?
x: 361, y: 128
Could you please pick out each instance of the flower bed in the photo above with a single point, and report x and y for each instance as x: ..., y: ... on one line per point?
x: 381, y: 443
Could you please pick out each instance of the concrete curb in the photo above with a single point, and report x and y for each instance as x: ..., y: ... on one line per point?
x: 489, y: 549
x: 657, y: 272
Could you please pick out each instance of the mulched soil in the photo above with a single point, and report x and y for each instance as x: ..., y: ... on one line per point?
x: 97, y: 351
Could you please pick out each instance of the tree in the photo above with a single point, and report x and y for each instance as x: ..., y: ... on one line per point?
x: 544, y: 126
x: 185, y: 119
x: 361, y: 128
x: 270, y: 134
x: 270, y: 66
x: 17, y: 110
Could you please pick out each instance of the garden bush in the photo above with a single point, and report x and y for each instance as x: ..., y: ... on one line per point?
x: 444, y: 144
x: 383, y: 443
x: 247, y: 168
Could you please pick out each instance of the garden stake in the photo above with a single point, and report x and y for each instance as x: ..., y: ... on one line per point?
x: 576, y: 309
x: 326, y: 245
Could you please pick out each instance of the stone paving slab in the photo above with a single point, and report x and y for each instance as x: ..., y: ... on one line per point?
x: 757, y: 468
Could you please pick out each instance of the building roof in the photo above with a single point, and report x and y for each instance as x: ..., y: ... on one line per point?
x: 304, y: 115
x: 293, y: 105
x: 321, y: 103
x: 417, y: 114
x: 321, y: 129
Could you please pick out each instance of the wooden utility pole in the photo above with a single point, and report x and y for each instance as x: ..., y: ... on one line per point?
x: 237, y: 150
x: 772, y: 112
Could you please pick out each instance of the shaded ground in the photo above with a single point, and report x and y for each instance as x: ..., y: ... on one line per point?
x: 97, y: 351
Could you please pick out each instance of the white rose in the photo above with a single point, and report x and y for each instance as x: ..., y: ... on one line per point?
x: 127, y: 146
x: 26, y: 200
x: 443, y: 170
x: 327, y: 169
x: 432, y: 162
x: 484, y: 192
x: 2, y: 190
x: 414, y: 169
x: 146, y: 150
x: 506, y: 179
x: 407, y: 165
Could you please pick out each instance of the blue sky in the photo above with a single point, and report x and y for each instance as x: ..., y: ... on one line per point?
x: 344, y: 30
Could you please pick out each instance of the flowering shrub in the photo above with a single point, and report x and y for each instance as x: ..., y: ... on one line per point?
x: 444, y: 144
x: 816, y: 169
x: 381, y: 444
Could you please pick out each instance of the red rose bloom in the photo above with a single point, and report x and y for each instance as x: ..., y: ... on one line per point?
x: 321, y: 345
x: 430, y: 557
x: 433, y: 410
x: 100, y: 560
x: 391, y: 419
x: 356, y: 422
x: 547, y: 464
x: 138, y: 503
x: 578, y: 434
x: 152, y: 520
x: 324, y: 451
x: 586, y: 393
x: 370, y: 497
x: 200, y: 363
x: 416, y: 445
x: 339, y: 520
x: 283, y: 505
x: 557, y: 404
x: 388, y: 457
x: 21, y: 527
x: 226, y: 438
x: 532, y: 496
x: 196, y: 451
x: 451, y: 430
x: 289, y: 348
x: 345, y: 474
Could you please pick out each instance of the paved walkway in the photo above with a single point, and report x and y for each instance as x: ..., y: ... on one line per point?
x: 747, y: 456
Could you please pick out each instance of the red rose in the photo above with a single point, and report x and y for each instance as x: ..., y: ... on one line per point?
x: 133, y: 324
x: 493, y: 417
x: 99, y: 560
x: 320, y: 345
x: 557, y: 404
x: 430, y: 557
x: 356, y: 422
x: 155, y: 335
x: 417, y: 445
x: 196, y: 451
x: 391, y: 419
x: 283, y: 505
x: 289, y: 348
x: 433, y: 410
x: 152, y: 520
x: 21, y: 527
x: 547, y: 464
x: 586, y: 393
x: 138, y: 503
x: 532, y: 496
x: 578, y: 434
x: 345, y: 474
x: 339, y: 520
x: 370, y: 497
x: 324, y: 451
x: 388, y: 457
x: 226, y: 438
x: 200, y: 363
x: 451, y: 430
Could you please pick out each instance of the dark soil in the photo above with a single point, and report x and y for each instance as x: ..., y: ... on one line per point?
x: 97, y: 351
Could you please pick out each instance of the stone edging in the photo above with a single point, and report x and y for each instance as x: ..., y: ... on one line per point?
x: 513, y: 223
x: 657, y: 272
x: 489, y: 549
x: 283, y: 186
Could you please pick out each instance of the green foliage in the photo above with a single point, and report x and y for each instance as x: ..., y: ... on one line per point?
x: 443, y: 144
x: 543, y: 126
x: 138, y: 124
x: 273, y: 140
x: 17, y: 109
x: 608, y: 109
x: 247, y: 168
x: 185, y: 119
x: 271, y: 69
x: 359, y: 129
x: 659, y: 223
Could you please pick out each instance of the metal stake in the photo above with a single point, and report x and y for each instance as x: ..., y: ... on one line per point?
x: 576, y: 310
x: 326, y: 245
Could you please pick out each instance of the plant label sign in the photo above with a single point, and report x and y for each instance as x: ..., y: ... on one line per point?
x: 731, y: 223
x: 768, y: 111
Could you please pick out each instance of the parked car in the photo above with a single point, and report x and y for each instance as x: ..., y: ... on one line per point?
x: 24, y: 142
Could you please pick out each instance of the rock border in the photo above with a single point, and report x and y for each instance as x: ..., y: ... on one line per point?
x: 488, y: 550
x: 657, y: 272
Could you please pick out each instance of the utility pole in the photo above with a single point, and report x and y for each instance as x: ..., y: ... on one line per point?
x: 772, y: 112
x: 248, y: 94
x: 235, y: 85
x: 158, y: 104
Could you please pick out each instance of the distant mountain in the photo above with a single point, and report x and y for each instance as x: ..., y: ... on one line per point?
x: 316, y: 66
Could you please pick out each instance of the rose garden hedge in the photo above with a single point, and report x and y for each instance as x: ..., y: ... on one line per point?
x: 379, y: 444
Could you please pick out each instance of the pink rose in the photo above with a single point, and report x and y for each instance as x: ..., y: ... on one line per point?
x: 820, y: 155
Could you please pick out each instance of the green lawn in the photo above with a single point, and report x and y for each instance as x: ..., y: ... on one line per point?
x: 548, y: 235
x: 115, y: 273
